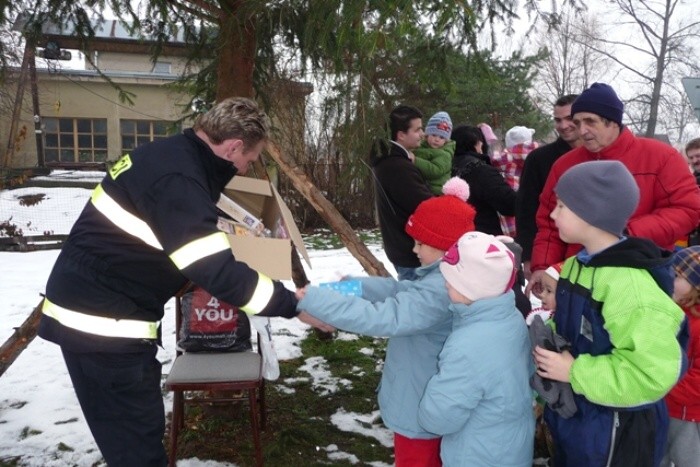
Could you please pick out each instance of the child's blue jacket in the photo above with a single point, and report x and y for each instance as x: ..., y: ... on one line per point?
x: 480, y: 400
x: 415, y: 315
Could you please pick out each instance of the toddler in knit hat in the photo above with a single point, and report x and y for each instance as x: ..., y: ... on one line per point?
x: 683, y: 442
x: 548, y: 295
x: 480, y: 395
x: 434, y: 156
x: 413, y: 314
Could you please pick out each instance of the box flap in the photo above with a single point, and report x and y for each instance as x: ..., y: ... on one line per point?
x: 249, y: 185
x: 252, y: 194
x: 292, y: 228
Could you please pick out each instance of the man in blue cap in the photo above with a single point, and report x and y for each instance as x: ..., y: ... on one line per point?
x: 669, y: 206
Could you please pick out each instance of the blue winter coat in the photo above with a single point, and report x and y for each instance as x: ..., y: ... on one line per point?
x: 415, y: 315
x: 480, y: 400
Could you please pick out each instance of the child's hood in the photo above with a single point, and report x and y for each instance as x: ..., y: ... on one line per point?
x: 638, y: 253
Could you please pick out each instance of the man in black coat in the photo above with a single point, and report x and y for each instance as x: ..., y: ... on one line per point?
x: 537, y: 166
x: 400, y: 187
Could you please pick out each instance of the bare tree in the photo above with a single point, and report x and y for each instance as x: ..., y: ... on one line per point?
x: 572, y: 64
x: 666, y: 41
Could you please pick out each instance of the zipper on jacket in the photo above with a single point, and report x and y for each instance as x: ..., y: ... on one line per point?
x: 616, y: 424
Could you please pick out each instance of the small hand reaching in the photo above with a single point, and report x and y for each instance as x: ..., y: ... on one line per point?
x: 534, y: 284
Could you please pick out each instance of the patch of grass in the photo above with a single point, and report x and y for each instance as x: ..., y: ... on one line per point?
x: 64, y: 447
x: 325, y: 239
x: 27, y: 432
x: 298, y: 423
x: 12, y: 461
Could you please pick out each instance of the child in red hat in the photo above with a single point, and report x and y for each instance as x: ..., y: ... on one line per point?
x: 414, y: 315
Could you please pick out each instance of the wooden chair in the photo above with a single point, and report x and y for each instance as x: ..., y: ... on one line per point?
x: 220, y: 375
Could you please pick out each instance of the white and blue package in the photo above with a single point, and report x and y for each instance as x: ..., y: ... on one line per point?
x: 351, y: 287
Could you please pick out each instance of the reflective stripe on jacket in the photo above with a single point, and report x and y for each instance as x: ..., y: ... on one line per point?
x: 150, y: 226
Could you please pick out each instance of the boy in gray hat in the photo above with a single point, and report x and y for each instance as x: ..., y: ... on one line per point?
x: 614, y: 308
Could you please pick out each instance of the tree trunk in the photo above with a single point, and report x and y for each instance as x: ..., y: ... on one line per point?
x: 329, y: 213
x: 236, y: 54
x: 20, y: 339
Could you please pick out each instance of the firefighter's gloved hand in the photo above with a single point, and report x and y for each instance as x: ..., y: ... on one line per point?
x: 558, y: 395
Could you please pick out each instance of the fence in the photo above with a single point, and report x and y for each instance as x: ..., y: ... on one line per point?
x: 38, y: 211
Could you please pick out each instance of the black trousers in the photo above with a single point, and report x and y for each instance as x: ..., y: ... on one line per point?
x: 121, y: 399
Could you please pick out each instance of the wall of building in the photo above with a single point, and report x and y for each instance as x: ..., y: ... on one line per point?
x: 82, y: 95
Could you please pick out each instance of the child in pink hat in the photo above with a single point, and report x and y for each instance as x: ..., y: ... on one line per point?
x: 480, y: 399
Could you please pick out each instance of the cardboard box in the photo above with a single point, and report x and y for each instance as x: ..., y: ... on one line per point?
x: 271, y: 256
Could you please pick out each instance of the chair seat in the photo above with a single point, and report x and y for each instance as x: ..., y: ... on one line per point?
x: 210, y: 367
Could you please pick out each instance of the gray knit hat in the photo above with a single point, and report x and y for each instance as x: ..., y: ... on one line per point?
x: 439, y: 124
x: 602, y: 193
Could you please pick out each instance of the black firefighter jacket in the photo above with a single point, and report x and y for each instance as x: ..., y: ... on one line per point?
x: 149, y: 227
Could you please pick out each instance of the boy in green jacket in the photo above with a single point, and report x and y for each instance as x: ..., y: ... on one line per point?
x: 614, y: 309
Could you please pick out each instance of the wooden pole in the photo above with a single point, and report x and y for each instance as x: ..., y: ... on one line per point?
x: 17, y: 110
x: 20, y: 339
x: 330, y: 214
x: 41, y: 162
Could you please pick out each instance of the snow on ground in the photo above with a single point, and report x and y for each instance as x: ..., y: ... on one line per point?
x: 40, y: 420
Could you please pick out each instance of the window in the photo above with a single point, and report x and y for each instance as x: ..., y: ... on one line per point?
x: 75, y: 139
x: 134, y: 133
x: 161, y: 67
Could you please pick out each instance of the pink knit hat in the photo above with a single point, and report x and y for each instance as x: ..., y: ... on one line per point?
x: 488, y: 132
x: 479, y: 266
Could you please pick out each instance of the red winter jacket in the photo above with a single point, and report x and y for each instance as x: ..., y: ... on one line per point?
x: 684, y: 399
x: 669, y: 205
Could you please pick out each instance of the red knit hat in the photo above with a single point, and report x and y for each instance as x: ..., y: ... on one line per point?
x: 440, y: 221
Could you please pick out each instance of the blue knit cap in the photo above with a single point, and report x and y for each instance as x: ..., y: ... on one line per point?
x: 439, y: 124
x: 600, y: 99
x: 602, y: 193
x: 686, y: 262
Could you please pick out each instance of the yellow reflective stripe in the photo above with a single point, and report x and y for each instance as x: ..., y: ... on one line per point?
x: 198, y: 249
x: 100, y: 325
x: 261, y: 297
x: 123, y: 218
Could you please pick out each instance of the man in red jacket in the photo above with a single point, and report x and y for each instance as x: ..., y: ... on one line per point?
x: 669, y: 206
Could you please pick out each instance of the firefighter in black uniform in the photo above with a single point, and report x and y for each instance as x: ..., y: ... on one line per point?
x: 148, y: 228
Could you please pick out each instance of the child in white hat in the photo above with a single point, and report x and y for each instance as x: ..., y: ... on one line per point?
x: 548, y: 295
x: 480, y: 399
x: 510, y: 162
